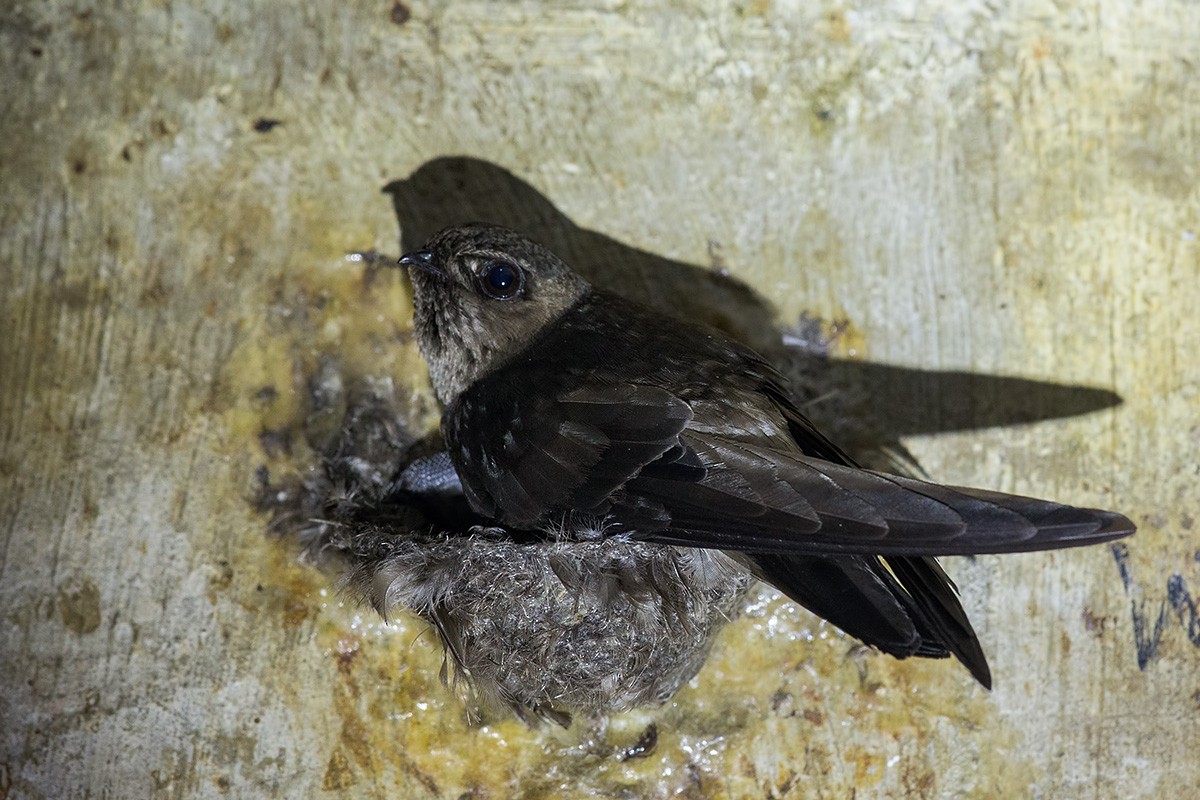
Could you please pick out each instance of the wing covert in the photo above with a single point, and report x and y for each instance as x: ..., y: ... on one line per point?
x: 528, y: 455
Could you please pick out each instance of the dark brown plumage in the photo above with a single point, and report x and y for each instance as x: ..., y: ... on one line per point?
x: 579, y: 413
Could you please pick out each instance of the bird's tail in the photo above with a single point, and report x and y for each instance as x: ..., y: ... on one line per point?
x: 908, y: 607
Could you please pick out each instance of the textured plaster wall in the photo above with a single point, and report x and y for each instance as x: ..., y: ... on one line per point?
x: 1002, y: 189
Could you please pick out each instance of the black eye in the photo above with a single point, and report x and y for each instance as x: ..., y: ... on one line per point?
x: 501, y: 280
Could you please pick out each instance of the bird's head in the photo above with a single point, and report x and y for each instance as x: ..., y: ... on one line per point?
x: 481, y: 293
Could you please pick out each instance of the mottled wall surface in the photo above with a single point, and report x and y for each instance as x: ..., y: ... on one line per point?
x: 999, y: 190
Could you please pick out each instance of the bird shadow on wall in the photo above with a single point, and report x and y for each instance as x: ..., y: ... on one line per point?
x: 866, y: 407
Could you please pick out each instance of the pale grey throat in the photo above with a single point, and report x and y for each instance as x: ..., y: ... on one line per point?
x: 455, y: 358
x: 463, y: 336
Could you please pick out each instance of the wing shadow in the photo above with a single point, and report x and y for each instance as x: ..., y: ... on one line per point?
x: 866, y: 407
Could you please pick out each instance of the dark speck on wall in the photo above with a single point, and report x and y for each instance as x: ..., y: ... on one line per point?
x: 265, y: 124
x: 400, y: 13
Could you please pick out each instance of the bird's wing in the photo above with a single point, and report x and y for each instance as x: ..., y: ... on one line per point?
x: 754, y: 498
x: 548, y: 452
x: 721, y: 471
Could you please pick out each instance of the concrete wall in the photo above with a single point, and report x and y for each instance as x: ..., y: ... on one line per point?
x: 958, y: 187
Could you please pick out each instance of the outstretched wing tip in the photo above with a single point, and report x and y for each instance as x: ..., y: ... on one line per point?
x: 1071, y: 526
x: 1114, y: 525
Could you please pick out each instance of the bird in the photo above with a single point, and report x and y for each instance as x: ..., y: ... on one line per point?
x: 590, y: 421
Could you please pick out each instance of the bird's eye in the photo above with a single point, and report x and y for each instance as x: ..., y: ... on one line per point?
x: 501, y: 280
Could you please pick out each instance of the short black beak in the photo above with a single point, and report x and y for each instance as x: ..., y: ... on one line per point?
x: 422, y: 260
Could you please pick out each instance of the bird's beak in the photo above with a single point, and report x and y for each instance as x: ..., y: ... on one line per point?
x: 422, y: 260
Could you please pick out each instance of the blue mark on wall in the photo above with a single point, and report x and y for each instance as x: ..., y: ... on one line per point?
x: 1148, y: 625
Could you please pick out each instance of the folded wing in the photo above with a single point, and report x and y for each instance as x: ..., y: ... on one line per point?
x: 753, y: 498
